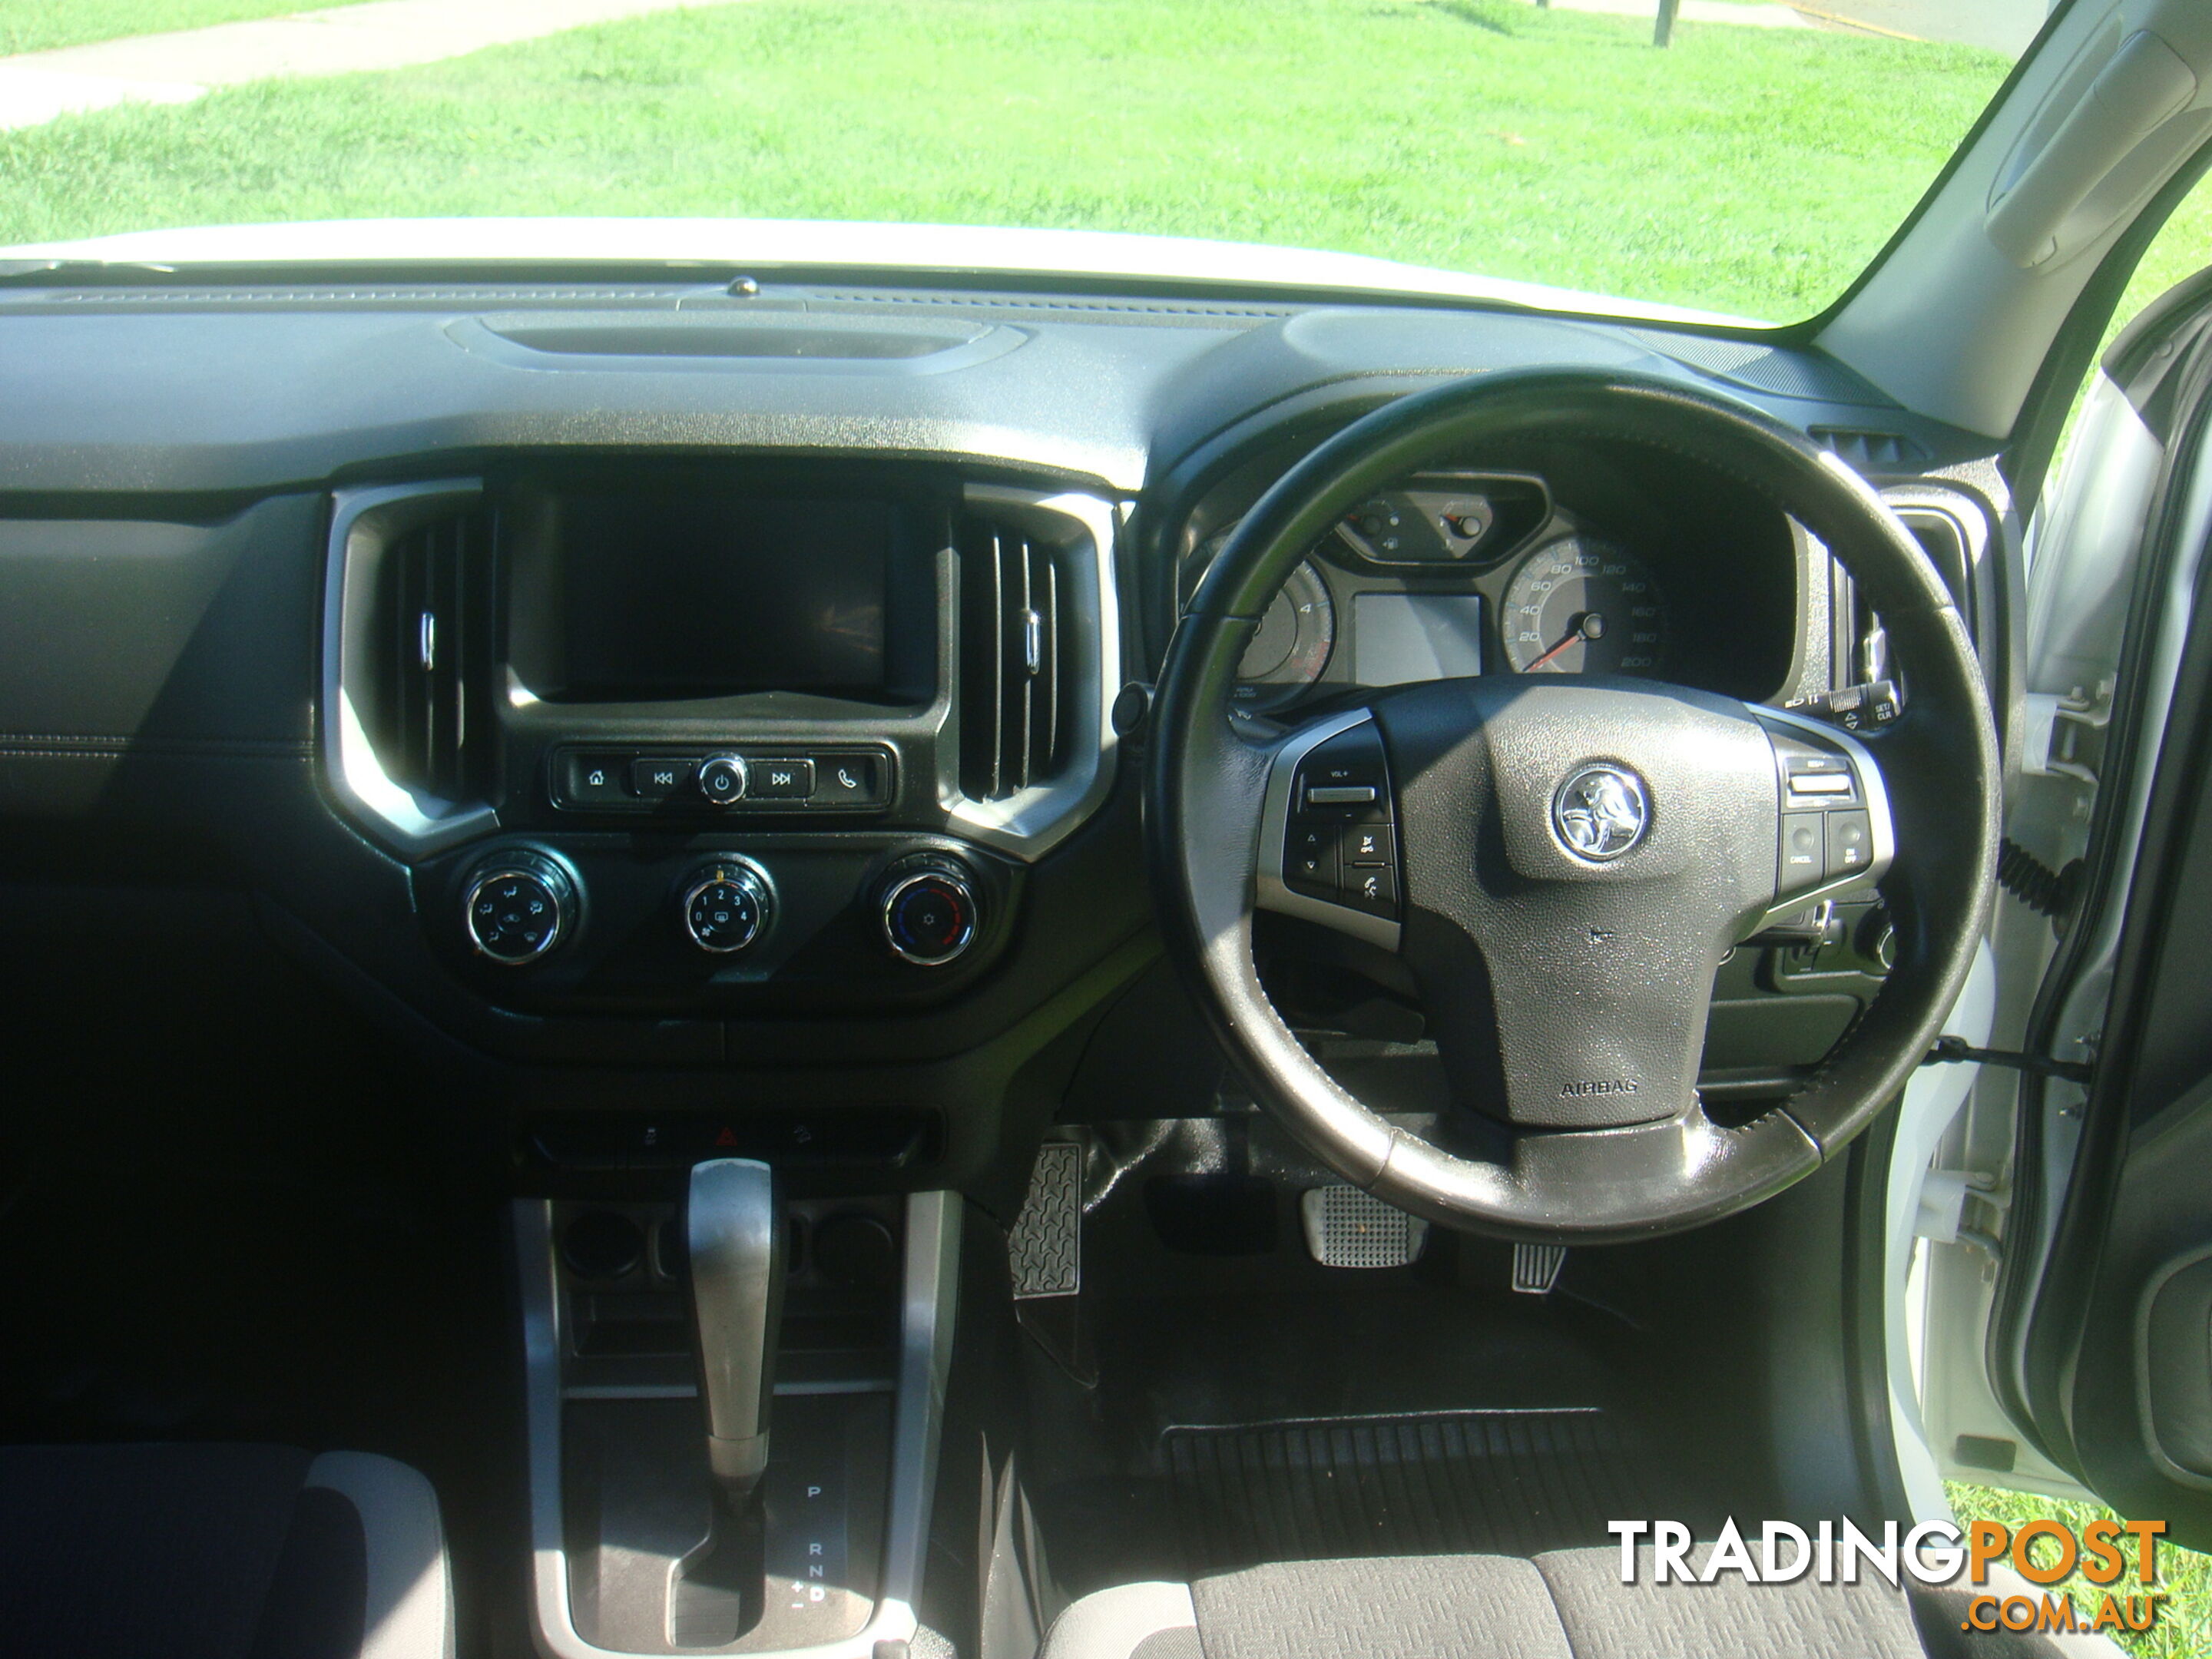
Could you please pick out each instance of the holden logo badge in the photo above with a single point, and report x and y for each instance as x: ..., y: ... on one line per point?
x: 1601, y: 812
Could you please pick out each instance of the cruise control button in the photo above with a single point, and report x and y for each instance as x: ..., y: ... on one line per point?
x: 1850, y: 843
x: 1819, y: 783
x: 1372, y: 890
x: 1367, y: 845
x: 656, y: 778
x: 1803, y: 857
x: 781, y: 779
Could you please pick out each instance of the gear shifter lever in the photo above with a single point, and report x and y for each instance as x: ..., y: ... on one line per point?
x: 733, y: 1229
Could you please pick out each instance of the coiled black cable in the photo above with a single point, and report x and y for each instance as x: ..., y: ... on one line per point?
x: 2046, y: 891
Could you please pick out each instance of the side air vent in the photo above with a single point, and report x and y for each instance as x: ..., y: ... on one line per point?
x: 1040, y: 665
x: 425, y: 717
x: 1870, y: 450
x: 1014, y: 717
x: 407, y: 722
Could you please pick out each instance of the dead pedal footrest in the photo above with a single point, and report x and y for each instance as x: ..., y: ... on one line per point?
x: 1045, y: 1245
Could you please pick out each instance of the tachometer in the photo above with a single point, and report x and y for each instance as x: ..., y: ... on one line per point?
x: 1293, y: 645
x: 1582, y: 605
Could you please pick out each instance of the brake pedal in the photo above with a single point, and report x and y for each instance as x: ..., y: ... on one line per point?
x: 1345, y: 1227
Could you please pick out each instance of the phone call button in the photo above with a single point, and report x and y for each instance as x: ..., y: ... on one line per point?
x: 847, y: 781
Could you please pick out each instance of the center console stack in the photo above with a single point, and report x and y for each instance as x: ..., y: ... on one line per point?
x: 697, y: 771
x: 676, y: 738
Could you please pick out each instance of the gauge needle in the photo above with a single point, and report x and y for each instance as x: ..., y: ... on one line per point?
x: 1590, y: 625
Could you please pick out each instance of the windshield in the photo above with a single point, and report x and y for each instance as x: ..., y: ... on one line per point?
x: 1751, y: 167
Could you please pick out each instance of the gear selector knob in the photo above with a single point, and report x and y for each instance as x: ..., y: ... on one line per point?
x: 733, y: 1228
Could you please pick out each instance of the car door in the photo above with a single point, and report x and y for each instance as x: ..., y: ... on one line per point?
x: 2082, y: 1291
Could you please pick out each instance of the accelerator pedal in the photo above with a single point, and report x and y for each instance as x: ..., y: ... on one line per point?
x: 1536, y: 1268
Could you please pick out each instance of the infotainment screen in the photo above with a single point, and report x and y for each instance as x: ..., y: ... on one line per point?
x: 635, y: 596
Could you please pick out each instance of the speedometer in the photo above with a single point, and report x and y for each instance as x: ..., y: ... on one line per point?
x: 1582, y: 605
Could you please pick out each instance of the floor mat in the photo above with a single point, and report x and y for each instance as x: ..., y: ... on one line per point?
x: 1513, y: 1482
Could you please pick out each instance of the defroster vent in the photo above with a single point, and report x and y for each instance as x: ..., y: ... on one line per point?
x: 1015, y: 682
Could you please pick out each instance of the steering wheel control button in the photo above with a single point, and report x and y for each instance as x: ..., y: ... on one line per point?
x: 517, y: 909
x: 1818, y: 780
x: 1804, y: 858
x: 1374, y: 891
x: 1601, y: 811
x: 724, y: 779
x: 658, y: 777
x: 1339, y: 840
x: 1834, y: 822
x: 1346, y: 777
x: 781, y: 780
x: 929, y: 914
x: 727, y: 908
x: 1341, y: 794
x: 1310, y: 860
x: 1368, y: 846
x: 1850, y: 843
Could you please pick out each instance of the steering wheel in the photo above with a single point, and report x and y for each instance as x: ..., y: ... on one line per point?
x: 1562, y: 862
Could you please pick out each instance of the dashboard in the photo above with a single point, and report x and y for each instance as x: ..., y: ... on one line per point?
x: 663, y: 710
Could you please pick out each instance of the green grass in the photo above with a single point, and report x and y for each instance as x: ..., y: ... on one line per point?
x: 37, y: 25
x: 2183, y: 1630
x: 1746, y: 170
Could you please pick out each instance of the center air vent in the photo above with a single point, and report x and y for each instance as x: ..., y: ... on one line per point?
x: 1015, y: 686
x: 407, y: 669
x: 425, y: 718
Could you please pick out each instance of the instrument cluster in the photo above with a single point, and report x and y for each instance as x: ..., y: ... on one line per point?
x: 1463, y: 572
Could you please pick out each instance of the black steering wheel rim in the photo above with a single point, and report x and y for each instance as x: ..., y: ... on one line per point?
x: 1939, y: 763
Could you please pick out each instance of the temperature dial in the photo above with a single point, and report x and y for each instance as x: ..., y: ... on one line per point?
x: 520, y: 906
x: 929, y: 913
x: 727, y: 907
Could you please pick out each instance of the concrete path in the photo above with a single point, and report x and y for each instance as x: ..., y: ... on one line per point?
x: 177, y: 68
x: 1744, y: 16
x: 2005, y: 26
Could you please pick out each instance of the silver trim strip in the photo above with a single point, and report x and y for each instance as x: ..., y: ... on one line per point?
x: 1878, y: 815
x: 363, y: 525
x: 688, y: 1391
x: 1272, y: 892
x: 1031, y: 823
x: 930, y: 1299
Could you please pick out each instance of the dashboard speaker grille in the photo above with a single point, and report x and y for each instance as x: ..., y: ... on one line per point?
x: 1013, y: 686
x: 433, y: 612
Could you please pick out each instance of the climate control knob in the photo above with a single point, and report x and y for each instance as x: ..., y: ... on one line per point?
x: 520, y: 905
x: 930, y: 912
x: 723, y: 779
x: 726, y: 906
